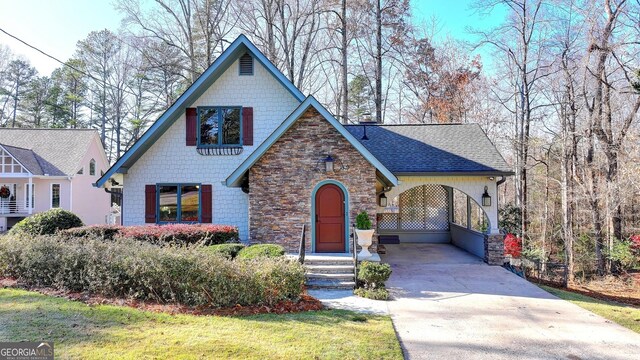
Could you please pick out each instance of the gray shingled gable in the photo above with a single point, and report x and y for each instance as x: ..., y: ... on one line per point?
x: 58, y: 152
x: 25, y: 157
x: 432, y: 149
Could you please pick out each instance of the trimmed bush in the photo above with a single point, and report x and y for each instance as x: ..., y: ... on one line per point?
x: 205, y: 234
x: 181, y: 234
x: 47, y: 223
x: 261, y: 251
x: 373, y: 294
x: 105, y: 232
x: 373, y: 274
x: 128, y: 268
x: 229, y: 251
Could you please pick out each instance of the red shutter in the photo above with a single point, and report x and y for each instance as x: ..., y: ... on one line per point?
x: 192, y: 134
x: 206, y: 198
x: 150, y: 203
x: 247, y: 126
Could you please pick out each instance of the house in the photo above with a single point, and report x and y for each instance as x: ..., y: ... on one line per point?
x: 41, y: 169
x: 243, y: 146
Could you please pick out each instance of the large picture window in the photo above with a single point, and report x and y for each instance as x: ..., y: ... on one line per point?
x: 219, y: 126
x: 178, y: 203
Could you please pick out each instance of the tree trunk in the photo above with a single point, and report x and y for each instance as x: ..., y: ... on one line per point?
x: 345, y: 83
x: 378, y: 95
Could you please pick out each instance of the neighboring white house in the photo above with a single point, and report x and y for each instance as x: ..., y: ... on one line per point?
x: 243, y: 146
x: 41, y: 169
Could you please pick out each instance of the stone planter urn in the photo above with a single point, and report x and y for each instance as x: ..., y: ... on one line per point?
x: 365, y: 239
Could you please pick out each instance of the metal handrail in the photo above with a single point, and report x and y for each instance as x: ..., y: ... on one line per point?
x: 354, y: 251
x: 302, y: 249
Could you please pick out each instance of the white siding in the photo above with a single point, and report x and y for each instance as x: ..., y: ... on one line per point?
x: 169, y: 160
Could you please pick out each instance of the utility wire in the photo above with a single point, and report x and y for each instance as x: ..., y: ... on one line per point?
x: 66, y: 64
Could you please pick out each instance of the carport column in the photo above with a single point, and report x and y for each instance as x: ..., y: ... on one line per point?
x: 494, y: 249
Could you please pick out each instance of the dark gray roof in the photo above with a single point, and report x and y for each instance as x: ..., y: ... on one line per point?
x: 25, y: 157
x: 432, y: 148
x: 56, y: 152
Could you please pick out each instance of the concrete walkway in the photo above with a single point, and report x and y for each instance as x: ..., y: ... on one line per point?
x: 345, y: 300
x: 450, y: 305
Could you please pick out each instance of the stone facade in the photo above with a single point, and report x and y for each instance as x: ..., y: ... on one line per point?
x: 281, y: 183
x: 494, y: 249
x: 169, y: 160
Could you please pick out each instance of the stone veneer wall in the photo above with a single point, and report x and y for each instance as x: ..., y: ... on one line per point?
x: 282, y: 181
x: 494, y: 249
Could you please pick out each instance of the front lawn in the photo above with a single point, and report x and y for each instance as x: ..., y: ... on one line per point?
x: 105, y: 331
x: 624, y: 315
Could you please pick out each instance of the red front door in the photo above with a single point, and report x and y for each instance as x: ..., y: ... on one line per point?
x: 330, y: 219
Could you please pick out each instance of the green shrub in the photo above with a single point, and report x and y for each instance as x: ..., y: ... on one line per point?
x: 363, y: 222
x: 47, y: 223
x: 373, y: 294
x: 373, y: 274
x: 260, y: 251
x: 622, y: 255
x: 229, y: 251
x: 128, y: 268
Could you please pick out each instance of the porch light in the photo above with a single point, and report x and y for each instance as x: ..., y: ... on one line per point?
x: 486, y: 199
x: 383, y: 200
x: 328, y: 163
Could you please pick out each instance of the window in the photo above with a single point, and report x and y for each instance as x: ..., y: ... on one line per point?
x: 55, y: 196
x: 29, y: 198
x: 92, y: 167
x: 219, y: 126
x: 178, y: 203
x: 246, y: 65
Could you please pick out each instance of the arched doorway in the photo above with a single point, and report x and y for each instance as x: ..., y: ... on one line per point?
x: 329, y: 218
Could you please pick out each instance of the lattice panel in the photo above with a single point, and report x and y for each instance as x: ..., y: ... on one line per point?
x: 388, y: 221
x: 424, y: 208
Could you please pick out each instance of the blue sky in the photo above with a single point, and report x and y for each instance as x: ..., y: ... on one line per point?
x: 55, y: 26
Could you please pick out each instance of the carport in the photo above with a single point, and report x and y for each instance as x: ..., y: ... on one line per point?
x: 447, y: 191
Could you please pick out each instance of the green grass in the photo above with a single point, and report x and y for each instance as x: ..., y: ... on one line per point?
x: 627, y: 316
x: 104, y: 331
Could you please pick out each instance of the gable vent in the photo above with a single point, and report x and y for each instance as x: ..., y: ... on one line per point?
x: 246, y: 65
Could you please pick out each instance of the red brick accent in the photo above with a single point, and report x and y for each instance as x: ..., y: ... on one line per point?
x: 282, y: 181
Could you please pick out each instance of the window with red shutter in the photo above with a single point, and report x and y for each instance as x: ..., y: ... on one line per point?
x: 192, y: 126
x: 206, y: 197
x: 247, y: 126
x: 150, y: 204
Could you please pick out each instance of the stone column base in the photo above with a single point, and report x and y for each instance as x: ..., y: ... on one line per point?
x: 494, y: 249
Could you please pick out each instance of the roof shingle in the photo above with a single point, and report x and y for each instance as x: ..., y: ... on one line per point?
x: 432, y: 149
x: 54, y: 152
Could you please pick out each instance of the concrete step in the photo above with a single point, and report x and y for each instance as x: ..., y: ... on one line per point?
x: 330, y: 269
x: 330, y: 284
x: 332, y: 276
x: 328, y: 260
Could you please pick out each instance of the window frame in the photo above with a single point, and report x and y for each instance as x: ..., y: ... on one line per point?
x: 92, y: 167
x: 178, y: 203
x: 28, y: 198
x: 51, y: 196
x: 218, y: 109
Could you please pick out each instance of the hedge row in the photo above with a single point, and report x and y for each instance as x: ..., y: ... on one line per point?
x: 129, y: 268
x: 204, y: 234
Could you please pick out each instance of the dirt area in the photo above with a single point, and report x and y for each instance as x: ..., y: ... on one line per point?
x: 306, y: 303
x: 624, y: 289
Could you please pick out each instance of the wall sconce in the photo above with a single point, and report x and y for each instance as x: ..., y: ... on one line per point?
x: 383, y: 200
x: 486, y: 199
x: 329, y: 164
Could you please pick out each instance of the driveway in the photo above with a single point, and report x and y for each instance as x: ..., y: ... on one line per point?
x: 450, y: 305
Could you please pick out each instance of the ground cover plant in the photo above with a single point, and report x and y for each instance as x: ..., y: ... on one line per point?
x: 261, y: 251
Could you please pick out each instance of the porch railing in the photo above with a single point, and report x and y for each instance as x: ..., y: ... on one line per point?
x: 354, y: 252
x: 12, y: 207
x: 302, y: 250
